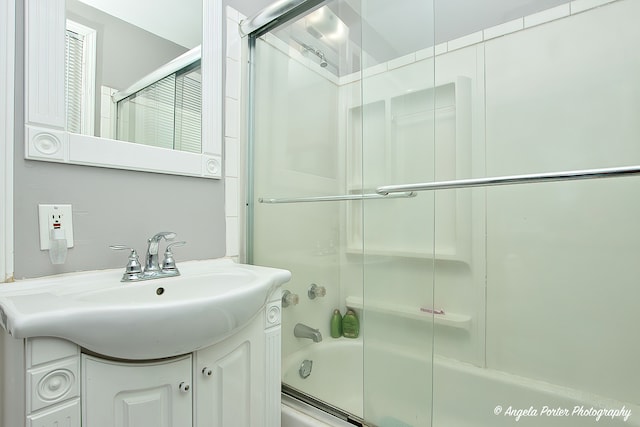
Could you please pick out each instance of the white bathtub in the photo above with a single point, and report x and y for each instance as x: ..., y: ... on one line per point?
x: 463, y: 395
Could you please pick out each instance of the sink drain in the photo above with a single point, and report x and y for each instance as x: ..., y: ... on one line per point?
x: 305, y: 368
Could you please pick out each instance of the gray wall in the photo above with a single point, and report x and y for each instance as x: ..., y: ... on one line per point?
x: 125, y: 53
x: 109, y: 206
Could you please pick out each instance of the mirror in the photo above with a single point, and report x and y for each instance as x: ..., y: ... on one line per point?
x: 101, y: 96
x: 133, y: 48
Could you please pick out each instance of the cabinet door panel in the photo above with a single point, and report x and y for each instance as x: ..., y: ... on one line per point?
x: 136, y: 394
x: 234, y: 390
x: 63, y: 415
x: 224, y: 398
x: 52, y: 383
x: 148, y: 407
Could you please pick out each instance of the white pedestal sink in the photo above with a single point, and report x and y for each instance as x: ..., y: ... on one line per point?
x: 143, y: 320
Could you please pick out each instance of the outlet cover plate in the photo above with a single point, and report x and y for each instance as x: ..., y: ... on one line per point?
x: 46, y: 215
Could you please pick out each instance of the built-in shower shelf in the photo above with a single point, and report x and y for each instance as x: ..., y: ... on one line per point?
x: 441, y: 255
x: 453, y: 320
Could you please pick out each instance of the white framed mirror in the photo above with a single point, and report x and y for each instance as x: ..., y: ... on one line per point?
x: 48, y: 137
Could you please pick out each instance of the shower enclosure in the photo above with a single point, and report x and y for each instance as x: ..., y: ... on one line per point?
x: 464, y: 176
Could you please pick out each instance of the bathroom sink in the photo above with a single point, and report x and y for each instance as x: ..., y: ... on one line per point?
x: 142, y: 320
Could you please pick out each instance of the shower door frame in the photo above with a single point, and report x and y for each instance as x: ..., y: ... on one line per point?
x: 252, y: 28
x: 278, y: 13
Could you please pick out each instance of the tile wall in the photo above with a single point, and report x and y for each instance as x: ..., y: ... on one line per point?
x: 232, y: 179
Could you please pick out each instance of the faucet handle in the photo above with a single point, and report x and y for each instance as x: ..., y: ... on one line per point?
x: 170, y: 245
x: 169, y: 264
x: 133, y: 268
x: 120, y: 247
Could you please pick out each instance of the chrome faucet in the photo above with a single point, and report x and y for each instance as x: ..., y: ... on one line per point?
x: 151, y: 259
x: 134, y: 271
x: 304, y: 331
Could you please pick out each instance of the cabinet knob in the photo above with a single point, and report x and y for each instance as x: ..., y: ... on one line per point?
x: 207, y: 372
x: 184, y: 387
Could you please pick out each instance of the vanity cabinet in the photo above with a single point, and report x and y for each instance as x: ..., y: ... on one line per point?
x: 51, y: 382
x: 197, y: 350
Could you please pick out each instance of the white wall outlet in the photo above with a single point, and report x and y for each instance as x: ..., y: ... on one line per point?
x: 55, y: 217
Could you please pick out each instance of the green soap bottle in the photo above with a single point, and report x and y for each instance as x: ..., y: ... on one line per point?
x: 350, y: 325
x: 336, y: 324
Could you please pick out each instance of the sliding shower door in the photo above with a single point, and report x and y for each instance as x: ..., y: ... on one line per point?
x: 306, y: 202
x: 402, y: 109
x: 547, y: 289
x: 336, y: 113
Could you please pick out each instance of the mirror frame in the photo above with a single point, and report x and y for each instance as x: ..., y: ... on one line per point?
x: 45, y: 136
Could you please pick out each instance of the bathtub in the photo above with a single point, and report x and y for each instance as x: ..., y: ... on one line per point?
x: 463, y: 395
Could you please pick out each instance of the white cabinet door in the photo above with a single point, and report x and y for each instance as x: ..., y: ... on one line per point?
x: 224, y: 396
x: 118, y: 394
x: 231, y: 379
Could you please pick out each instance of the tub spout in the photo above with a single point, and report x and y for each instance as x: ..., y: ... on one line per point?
x: 304, y: 331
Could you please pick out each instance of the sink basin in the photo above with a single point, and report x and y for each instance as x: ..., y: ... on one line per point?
x: 140, y: 320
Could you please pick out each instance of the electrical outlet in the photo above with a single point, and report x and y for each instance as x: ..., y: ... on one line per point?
x: 55, y: 217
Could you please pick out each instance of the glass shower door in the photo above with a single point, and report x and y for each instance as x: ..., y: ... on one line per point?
x: 406, y: 119
x: 550, y: 287
x: 306, y: 73
x: 345, y: 101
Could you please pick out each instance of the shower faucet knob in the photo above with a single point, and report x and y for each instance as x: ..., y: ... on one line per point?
x: 316, y: 291
x: 289, y: 298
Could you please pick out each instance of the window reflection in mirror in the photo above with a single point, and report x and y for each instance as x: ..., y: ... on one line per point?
x: 167, y: 113
x: 110, y: 48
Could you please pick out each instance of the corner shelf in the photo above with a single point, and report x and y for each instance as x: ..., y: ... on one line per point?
x: 453, y: 320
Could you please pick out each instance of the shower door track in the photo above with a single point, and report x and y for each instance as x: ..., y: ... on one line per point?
x: 574, y: 175
x: 299, y: 396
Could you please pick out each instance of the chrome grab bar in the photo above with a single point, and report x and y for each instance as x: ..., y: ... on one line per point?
x: 616, y: 172
x: 395, y: 195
